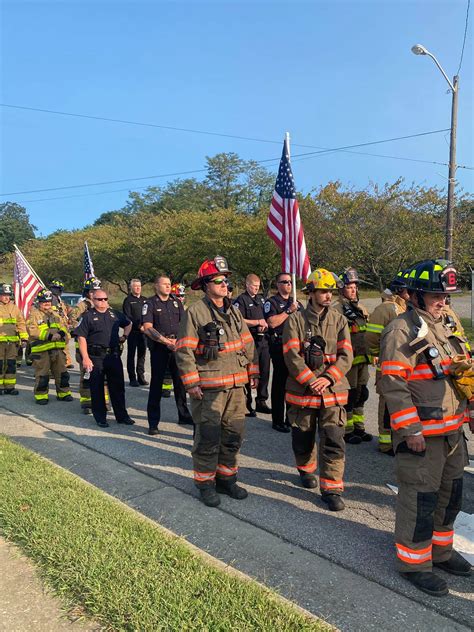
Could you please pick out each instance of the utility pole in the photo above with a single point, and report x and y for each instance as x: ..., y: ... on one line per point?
x: 448, y: 244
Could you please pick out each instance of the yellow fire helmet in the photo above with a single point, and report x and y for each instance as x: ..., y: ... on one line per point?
x: 320, y: 279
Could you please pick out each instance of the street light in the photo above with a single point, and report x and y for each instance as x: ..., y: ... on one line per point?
x: 418, y: 49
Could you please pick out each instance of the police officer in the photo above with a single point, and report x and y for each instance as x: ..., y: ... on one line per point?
x: 427, y: 413
x: 250, y: 303
x: 132, y: 308
x: 99, y: 345
x: 13, y: 335
x: 349, y: 305
x: 216, y: 357
x: 277, y: 310
x: 161, y: 317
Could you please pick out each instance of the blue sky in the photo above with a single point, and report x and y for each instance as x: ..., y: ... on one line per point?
x: 333, y: 73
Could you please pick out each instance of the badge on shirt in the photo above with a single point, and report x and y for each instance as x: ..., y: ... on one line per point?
x: 144, y: 309
x: 175, y: 304
x: 267, y: 307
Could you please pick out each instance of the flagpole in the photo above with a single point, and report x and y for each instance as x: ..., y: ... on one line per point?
x: 293, y: 274
x: 30, y: 267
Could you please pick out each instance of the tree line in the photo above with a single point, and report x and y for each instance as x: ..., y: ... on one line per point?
x: 379, y: 229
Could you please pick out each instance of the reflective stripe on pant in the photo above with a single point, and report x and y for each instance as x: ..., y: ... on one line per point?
x: 219, y: 419
x: 358, y: 378
x: 428, y: 501
x: 54, y: 362
x: 8, y: 355
x: 330, y: 423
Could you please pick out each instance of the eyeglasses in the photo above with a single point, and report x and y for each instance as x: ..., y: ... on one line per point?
x: 220, y: 281
x: 285, y: 282
x: 101, y: 299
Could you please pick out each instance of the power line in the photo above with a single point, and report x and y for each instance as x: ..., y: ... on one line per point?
x: 326, y: 151
x: 464, y: 39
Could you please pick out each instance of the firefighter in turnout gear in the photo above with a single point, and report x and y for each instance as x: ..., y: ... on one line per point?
x: 392, y: 305
x: 90, y: 285
x: 13, y: 335
x: 318, y: 353
x: 348, y: 305
x: 57, y: 287
x: 47, y: 334
x: 216, y: 357
x: 427, y: 413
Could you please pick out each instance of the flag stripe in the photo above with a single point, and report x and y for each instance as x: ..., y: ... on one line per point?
x: 25, y: 284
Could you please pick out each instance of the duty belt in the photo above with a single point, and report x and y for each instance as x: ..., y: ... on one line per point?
x: 98, y: 350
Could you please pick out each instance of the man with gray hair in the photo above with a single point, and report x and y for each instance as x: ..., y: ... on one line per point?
x: 136, y: 345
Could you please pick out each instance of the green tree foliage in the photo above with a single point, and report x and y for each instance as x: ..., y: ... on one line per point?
x: 15, y: 227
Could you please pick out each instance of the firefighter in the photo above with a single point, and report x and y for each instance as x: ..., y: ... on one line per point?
x: 392, y: 305
x: 132, y: 307
x: 452, y: 320
x: 57, y: 287
x: 90, y: 286
x: 355, y: 311
x: 216, y: 357
x: 318, y: 353
x: 47, y: 333
x: 13, y: 335
x: 277, y: 310
x: 250, y: 303
x: 427, y: 412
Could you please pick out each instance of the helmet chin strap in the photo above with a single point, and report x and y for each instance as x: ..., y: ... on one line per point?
x: 420, y: 300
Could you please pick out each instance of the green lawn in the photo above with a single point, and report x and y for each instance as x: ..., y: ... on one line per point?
x: 126, y: 572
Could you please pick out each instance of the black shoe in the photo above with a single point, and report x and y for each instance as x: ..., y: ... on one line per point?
x: 351, y: 438
x: 86, y: 411
x: 128, y: 421
x: 364, y: 436
x: 456, y: 565
x: 333, y: 501
x: 102, y: 424
x: 153, y: 431
x: 262, y: 407
x: 166, y: 394
x: 231, y: 489
x: 134, y: 383
x: 251, y: 413
x: 41, y: 402
x: 143, y: 382
x: 69, y: 366
x: 308, y: 480
x: 12, y: 391
x: 29, y: 363
x: 183, y: 421
x: 281, y: 427
x: 209, y: 496
x: 68, y: 398
x: 428, y: 582
x: 388, y: 452
x: 1, y: 391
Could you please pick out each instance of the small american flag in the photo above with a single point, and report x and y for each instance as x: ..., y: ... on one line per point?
x: 88, y: 265
x: 284, y: 222
x: 25, y: 284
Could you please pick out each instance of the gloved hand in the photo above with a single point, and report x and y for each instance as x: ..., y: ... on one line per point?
x: 462, y: 370
x: 56, y: 337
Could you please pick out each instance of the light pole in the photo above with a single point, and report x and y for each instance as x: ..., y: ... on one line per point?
x: 418, y: 49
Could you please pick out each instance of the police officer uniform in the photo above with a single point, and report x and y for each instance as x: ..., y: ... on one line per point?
x: 164, y: 316
x: 101, y: 331
x: 136, y: 343
x: 272, y: 307
x: 251, y: 308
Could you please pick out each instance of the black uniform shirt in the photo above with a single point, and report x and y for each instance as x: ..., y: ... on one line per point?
x: 164, y: 316
x: 277, y: 305
x: 132, y: 308
x: 101, y: 328
x: 251, y: 308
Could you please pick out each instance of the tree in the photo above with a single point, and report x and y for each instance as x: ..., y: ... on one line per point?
x: 15, y: 227
x: 223, y: 179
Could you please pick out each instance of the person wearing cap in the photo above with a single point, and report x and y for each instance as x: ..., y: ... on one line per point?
x: 318, y: 354
x: 277, y: 309
x: 392, y: 305
x: 47, y: 334
x: 250, y: 303
x: 13, y: 335
x: 419, y: 357
x: 57, y: 287
x: 132, y: 307
x: 216, y: 357
x: 161, y: 317
x: 349, y: 305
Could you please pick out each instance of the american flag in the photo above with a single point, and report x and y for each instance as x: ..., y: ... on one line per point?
x: 284, y: 222
x: 25, y: 284
x: 88, y: 265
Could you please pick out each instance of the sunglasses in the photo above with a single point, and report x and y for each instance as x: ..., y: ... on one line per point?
x: 101, y: 299
x: 220, y: 281
x: 285, y: 282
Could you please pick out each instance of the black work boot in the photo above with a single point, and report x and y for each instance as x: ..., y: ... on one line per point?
x: 333, y: 501
x: 209, y: 496
x: 364, y: 436
x: 11, y: 391
x: 428, y: 582
x: 279, y: 427
x: 352, y: 438
x: 308, y: 479
x: 456, y: 565
x: 262, y: 407
x: 231, y: 489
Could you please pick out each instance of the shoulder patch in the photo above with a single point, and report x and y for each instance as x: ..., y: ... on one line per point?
x: 145, y: 309
x: 236, y: 304
x: 267, y: 306
x: 79, y: 321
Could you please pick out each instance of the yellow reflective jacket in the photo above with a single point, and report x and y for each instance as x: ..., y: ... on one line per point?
x: 382, y: 315
x: 357, y: 327
x: 41, y: 327
x: 12, y: 323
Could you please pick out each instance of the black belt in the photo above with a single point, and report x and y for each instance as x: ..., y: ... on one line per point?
x: 99, y: 350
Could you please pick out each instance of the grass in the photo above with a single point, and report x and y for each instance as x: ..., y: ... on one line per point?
x: 126, y: 572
